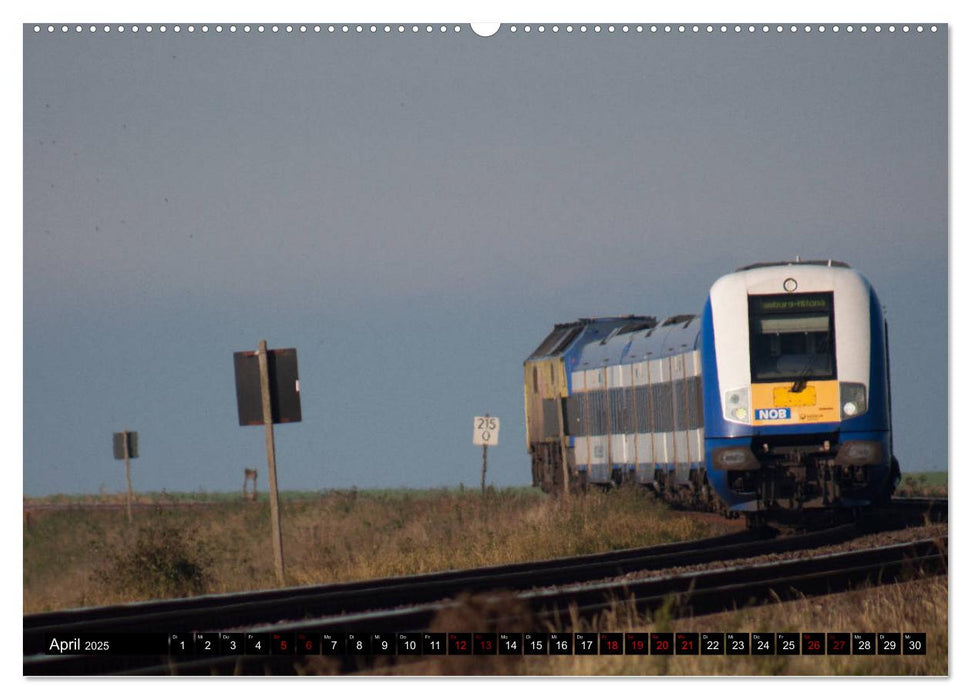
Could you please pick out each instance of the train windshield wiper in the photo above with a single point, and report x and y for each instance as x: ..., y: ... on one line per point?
x: 800, y: 383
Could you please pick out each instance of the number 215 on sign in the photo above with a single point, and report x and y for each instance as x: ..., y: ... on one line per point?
x: 485, y: 430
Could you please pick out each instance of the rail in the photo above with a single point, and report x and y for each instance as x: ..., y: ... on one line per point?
x: 549, y: 588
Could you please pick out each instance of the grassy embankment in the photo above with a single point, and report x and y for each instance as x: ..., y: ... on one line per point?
x: 924, y: 484
x: 86, y: 556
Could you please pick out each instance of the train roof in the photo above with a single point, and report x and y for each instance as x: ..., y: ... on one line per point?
x: 565, y: 336
x: 674, y: 335
x: 797, y: 261
x: 768, y: 278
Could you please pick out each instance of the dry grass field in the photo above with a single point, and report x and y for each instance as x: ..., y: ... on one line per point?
x: 92, y: 556
x: 81, y: 554
x: 916, y: 606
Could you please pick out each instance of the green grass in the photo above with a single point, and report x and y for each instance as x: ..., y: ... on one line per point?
x: 928, y: 484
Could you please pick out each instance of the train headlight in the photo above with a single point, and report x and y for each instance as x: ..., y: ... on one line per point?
x: 859, y: 452
x: 737, y: 405
x: 852, y: 399
x: 734, y: 459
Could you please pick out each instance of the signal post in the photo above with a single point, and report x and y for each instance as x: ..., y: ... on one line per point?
x: 268, y: 392
x: 485, y: 432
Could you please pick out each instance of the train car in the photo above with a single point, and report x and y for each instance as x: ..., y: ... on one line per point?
x: 797, y: 389
x: 549, y: 385
x: 618, y: 399
x: 777, y: 398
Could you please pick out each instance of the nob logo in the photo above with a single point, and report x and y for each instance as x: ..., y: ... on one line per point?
x: 773, y: 414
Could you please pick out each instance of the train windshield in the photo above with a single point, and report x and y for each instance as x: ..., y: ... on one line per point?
x: 791, y: 337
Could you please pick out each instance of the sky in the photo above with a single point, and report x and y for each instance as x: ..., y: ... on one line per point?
x: 413, y: 212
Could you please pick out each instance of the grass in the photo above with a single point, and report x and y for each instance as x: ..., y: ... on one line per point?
x: 164, y: 498
x: 163, y: 562
x: 923, y: 484
x: 188, y: 544
x: 917, y: 606
x: 88, y: 556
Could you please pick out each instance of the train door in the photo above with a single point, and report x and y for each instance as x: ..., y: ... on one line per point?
x: 621, y: 436
x: 643, y: 467
x: 597, y: 443
x: 696, y: 437
x: 679, y: 426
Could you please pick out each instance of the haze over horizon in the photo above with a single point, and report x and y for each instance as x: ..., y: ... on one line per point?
x: 413, y: 213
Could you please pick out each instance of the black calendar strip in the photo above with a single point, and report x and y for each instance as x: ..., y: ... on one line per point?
x: 313, y: 643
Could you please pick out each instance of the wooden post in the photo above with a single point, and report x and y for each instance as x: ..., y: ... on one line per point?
x: 565, y: 469
x: 564, y: 464
x: 128, y: 498
x: 271, y: 460
x: 485, y: 450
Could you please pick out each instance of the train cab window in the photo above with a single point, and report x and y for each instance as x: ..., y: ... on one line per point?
x: 791, y: 337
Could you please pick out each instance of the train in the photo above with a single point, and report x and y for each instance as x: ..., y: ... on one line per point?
x: 774, y: 401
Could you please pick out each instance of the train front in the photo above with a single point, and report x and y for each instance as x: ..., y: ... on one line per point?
x: 796, y: 389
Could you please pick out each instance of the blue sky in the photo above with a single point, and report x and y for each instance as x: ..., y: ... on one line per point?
x: 413, y: 213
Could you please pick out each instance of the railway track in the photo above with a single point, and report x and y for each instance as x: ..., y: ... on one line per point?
x: 240, y: 609
x: 686, y: 594
x: 416, y: 598
x: 256, y: 607
x: 935, y: 507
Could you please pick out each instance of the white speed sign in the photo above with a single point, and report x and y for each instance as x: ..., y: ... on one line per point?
x: 485, y: 430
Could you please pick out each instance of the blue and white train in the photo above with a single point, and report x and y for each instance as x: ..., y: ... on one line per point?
x: 777, y: 398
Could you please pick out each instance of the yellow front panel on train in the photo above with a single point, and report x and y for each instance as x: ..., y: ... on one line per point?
x: 777, y: 404
x: 782, y: 397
